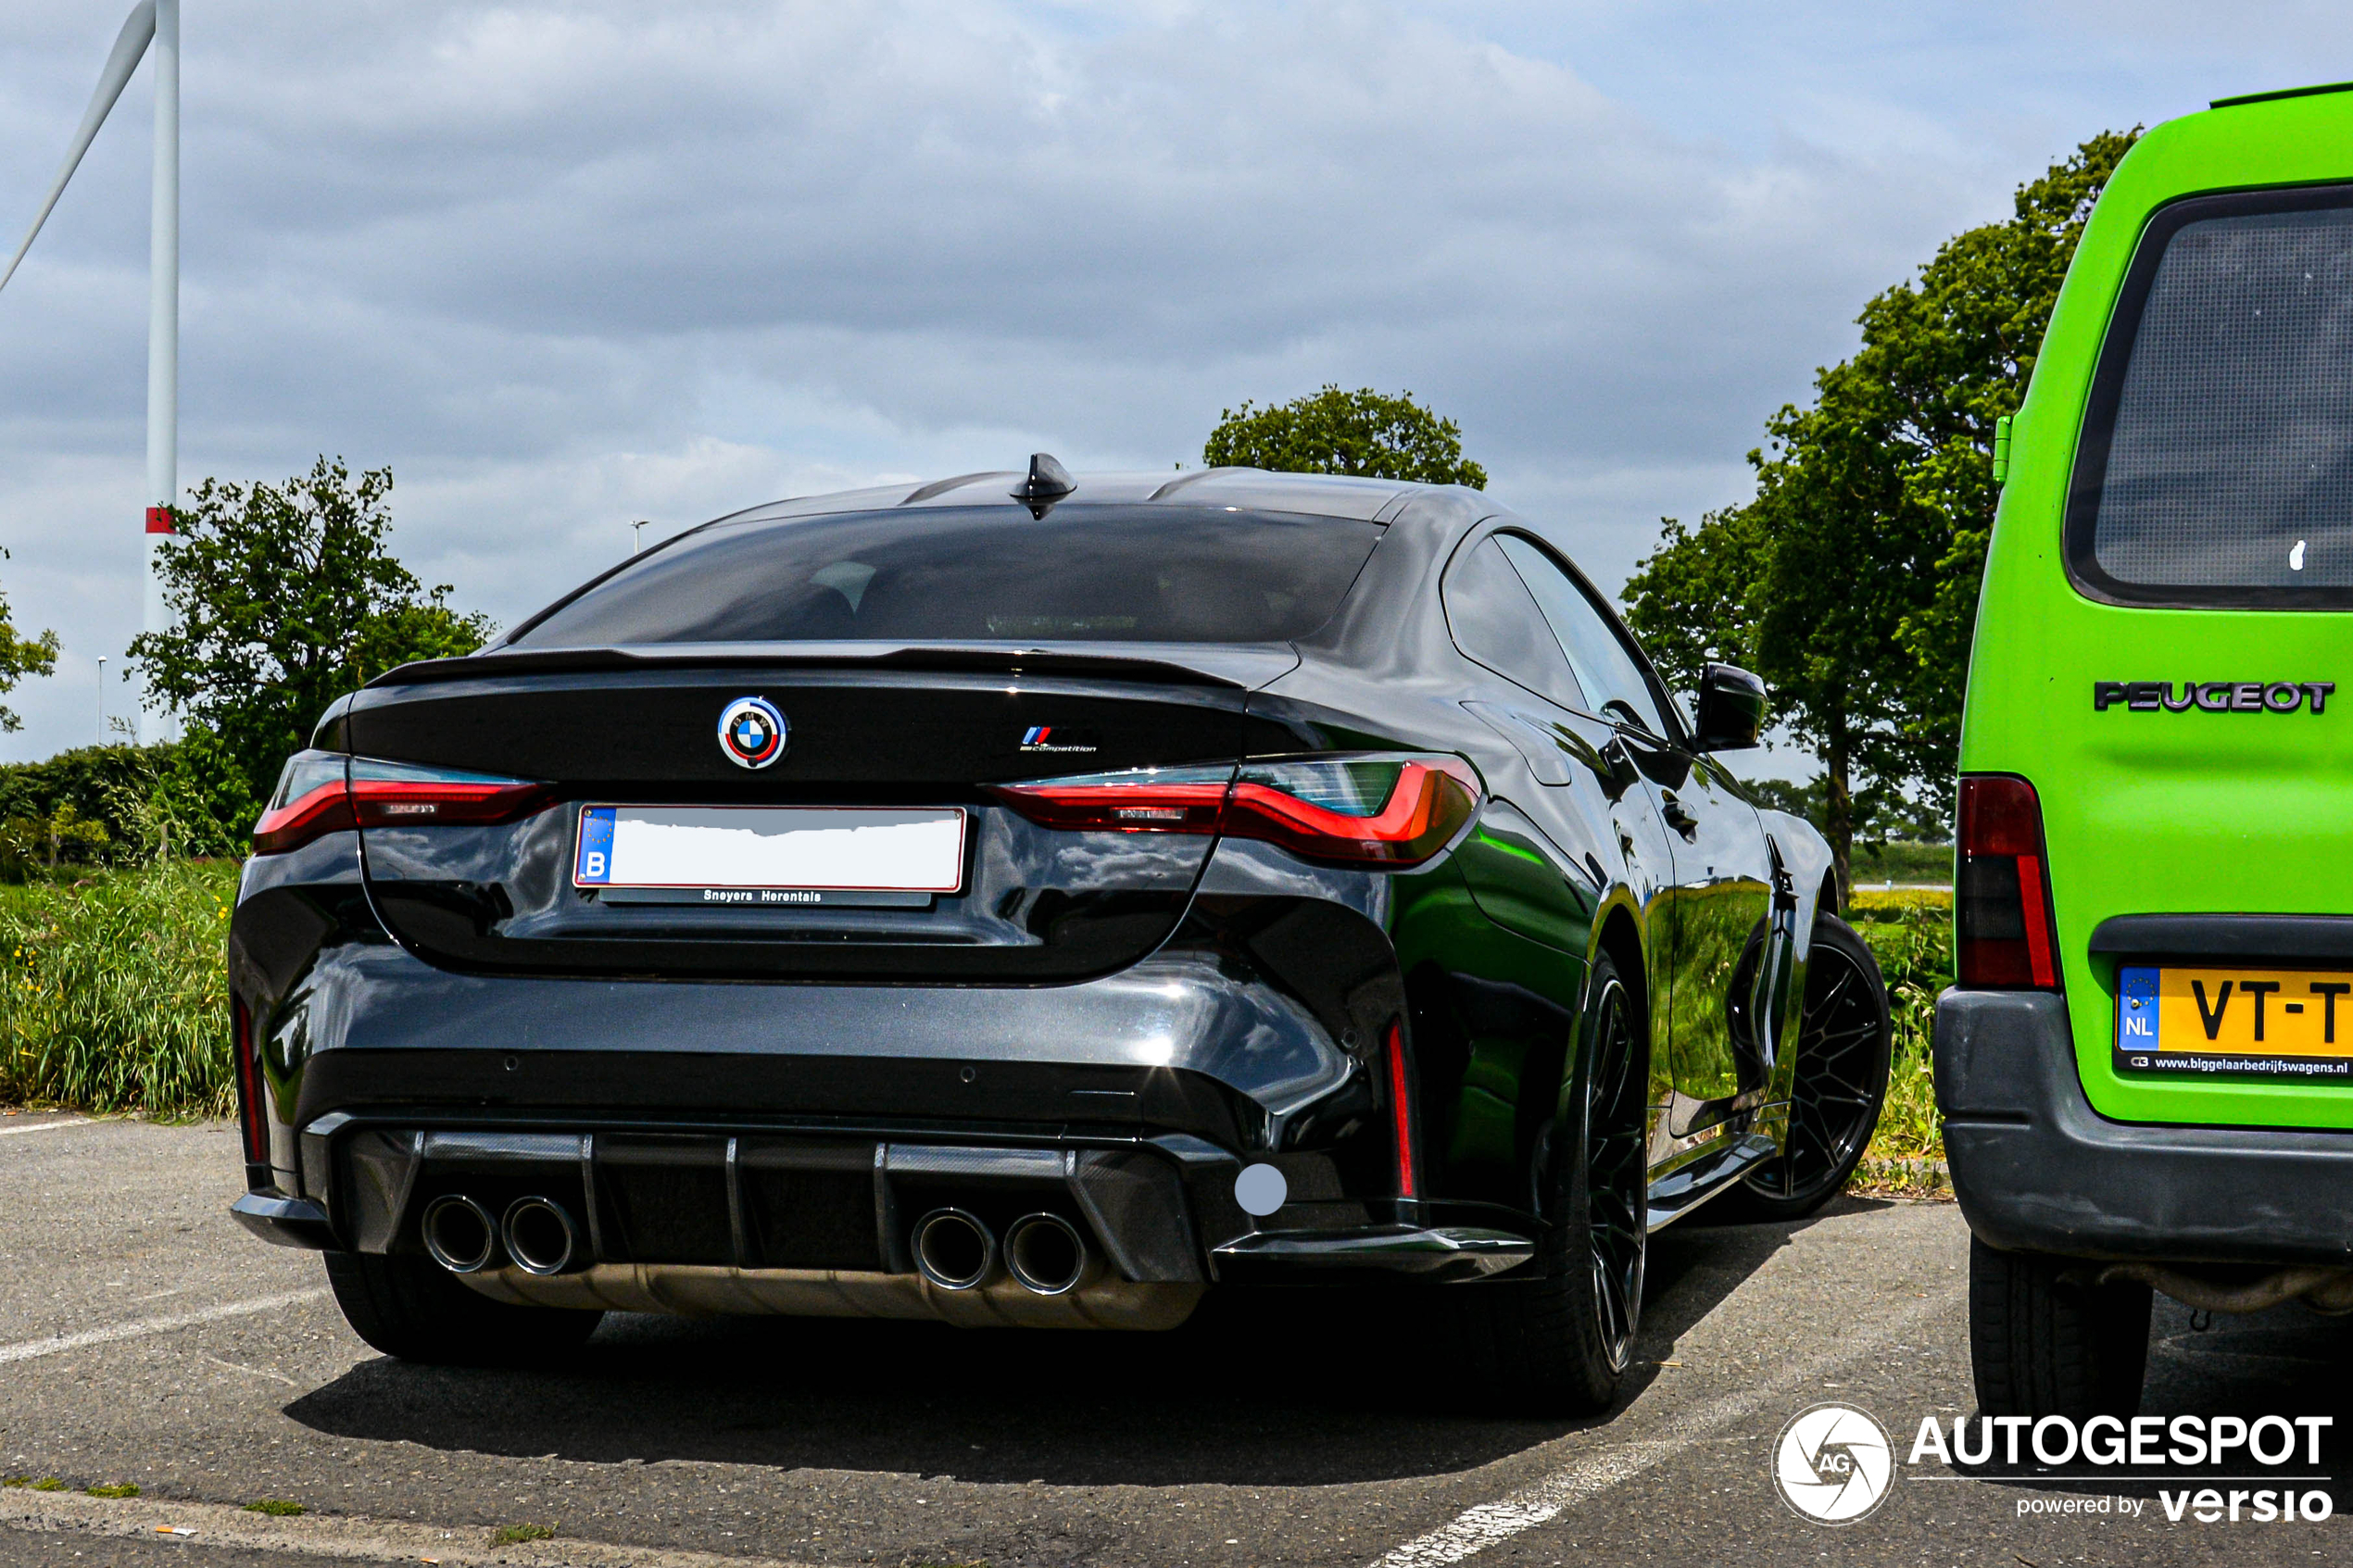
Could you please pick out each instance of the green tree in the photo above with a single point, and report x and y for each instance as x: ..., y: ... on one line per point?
x: 1850, y: 581
x: 1695, y: 598
x: 20, y: 656
x: 283, y: 598
x: 1955, y: 353
x: 1363, y: 432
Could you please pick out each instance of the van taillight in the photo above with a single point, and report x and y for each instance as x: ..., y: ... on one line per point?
x: 322, y: 791
x: 2002, y: 897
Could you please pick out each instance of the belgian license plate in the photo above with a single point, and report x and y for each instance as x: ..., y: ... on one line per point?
x: 2197, y: 1019
x: 770, y: 855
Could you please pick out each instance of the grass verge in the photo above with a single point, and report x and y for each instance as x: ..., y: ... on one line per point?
x: 114, y: 991
x: 1910, y: 931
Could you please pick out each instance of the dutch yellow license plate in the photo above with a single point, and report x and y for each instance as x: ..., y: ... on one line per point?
x: 2192, y: 1018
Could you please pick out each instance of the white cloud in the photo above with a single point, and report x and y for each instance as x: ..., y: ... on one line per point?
x: 560, y: 266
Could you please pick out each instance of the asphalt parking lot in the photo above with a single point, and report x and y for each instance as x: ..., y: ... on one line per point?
x: 144, y: 1340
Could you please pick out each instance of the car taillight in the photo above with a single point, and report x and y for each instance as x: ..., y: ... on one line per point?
x: 250, y: 1111
x: 322, y: 791
x: 1143, y: 801
x: 1375, y: 811
x: 2002, y: 904
x: 310, y: 799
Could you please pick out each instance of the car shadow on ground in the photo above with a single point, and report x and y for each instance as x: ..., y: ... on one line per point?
x: 2288, y: 1361
x: 1278, y: 1388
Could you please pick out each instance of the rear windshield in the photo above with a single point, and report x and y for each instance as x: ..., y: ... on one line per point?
x: 2216, y: 463
x: 1124, y: 573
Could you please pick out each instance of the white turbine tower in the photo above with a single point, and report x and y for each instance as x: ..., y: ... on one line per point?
x: 156, y: 21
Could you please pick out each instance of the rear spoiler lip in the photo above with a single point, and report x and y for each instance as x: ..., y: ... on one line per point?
x: 1241, y: 666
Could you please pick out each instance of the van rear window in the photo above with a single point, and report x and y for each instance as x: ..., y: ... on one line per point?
x: 2217, y: 461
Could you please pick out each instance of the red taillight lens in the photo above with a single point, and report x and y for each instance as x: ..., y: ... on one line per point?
x: 252, y: 1114
x: 2002, y: 904
x: 1360, y: 810
x: 322, y: 791
x: 1146, y: 800
x: 311, y: 799
x: 1401, y: 1112
x: 1374, y: 811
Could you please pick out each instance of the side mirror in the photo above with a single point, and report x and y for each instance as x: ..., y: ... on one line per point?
x: 1731, y: 709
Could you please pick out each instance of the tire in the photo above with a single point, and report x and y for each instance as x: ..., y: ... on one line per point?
x: 412, y: 1309
x: 1557, y: 1341
x: 2043, y: 1341
x: 1844, y: 1040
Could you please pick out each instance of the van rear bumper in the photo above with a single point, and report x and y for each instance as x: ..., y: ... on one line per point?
x: 2037, y: 1170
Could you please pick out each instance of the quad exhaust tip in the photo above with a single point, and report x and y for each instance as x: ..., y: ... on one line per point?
x: 1047, y: 1255
x: 539, y: 1235
x: 459, y: 1234
x: 953, y: 1249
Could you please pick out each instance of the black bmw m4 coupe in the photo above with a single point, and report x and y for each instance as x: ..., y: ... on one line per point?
x: 1018, y: 901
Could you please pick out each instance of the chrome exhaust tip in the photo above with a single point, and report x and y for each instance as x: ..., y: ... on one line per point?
x: 953, y: 1249
x: 1047, y: 1255
x: 539, y: 1235
x: 459, y: 1234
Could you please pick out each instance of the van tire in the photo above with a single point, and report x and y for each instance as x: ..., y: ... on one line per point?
x: 411, y: 1307
x: 2044, y: 1341
x: 1845, y: 1038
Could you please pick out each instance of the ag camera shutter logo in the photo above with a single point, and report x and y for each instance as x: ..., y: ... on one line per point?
x: 752, y: 732
x: 1832, y: 1465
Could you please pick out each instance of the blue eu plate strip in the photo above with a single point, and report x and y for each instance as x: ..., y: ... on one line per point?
x: 595, y: 864
x: 2136, y: 1009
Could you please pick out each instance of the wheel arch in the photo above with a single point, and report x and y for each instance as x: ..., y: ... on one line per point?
x: 1617, y: 936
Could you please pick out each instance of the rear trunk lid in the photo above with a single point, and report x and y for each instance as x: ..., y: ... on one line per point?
x: 921, y: 733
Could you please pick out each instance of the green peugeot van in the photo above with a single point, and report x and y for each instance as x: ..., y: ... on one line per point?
x: 2146, y: 1066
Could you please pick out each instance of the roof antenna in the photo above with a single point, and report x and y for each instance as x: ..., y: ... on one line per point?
x: 1048, y: 482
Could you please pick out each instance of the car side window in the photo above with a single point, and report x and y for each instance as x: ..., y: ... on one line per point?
x: 1604, y: 665
x: 1494, y: 622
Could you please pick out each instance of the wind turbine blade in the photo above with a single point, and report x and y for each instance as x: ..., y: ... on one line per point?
x: 137, y: 28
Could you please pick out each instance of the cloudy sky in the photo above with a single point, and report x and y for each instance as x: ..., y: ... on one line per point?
x: 563, y: 266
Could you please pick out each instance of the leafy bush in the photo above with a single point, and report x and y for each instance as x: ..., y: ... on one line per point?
x: 114, y: 992
x: 118, y: 804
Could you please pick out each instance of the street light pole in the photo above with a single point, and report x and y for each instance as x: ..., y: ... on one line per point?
x: 102, y: 699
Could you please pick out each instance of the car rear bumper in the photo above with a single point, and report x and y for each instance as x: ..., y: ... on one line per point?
x: 823, y: 1219
x: 2037, y: 1170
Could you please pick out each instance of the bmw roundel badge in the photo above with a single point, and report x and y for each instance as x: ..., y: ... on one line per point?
x: 752, y: 732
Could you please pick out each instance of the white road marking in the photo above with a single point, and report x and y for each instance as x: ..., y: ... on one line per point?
x: 1482, y: 1525
x: 48, y: 1126
x: 57, y: 1344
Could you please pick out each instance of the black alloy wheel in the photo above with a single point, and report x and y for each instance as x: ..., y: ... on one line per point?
x: 1845, y: 1036
x: 1554, y: 1336
x: 1616, y: 1184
